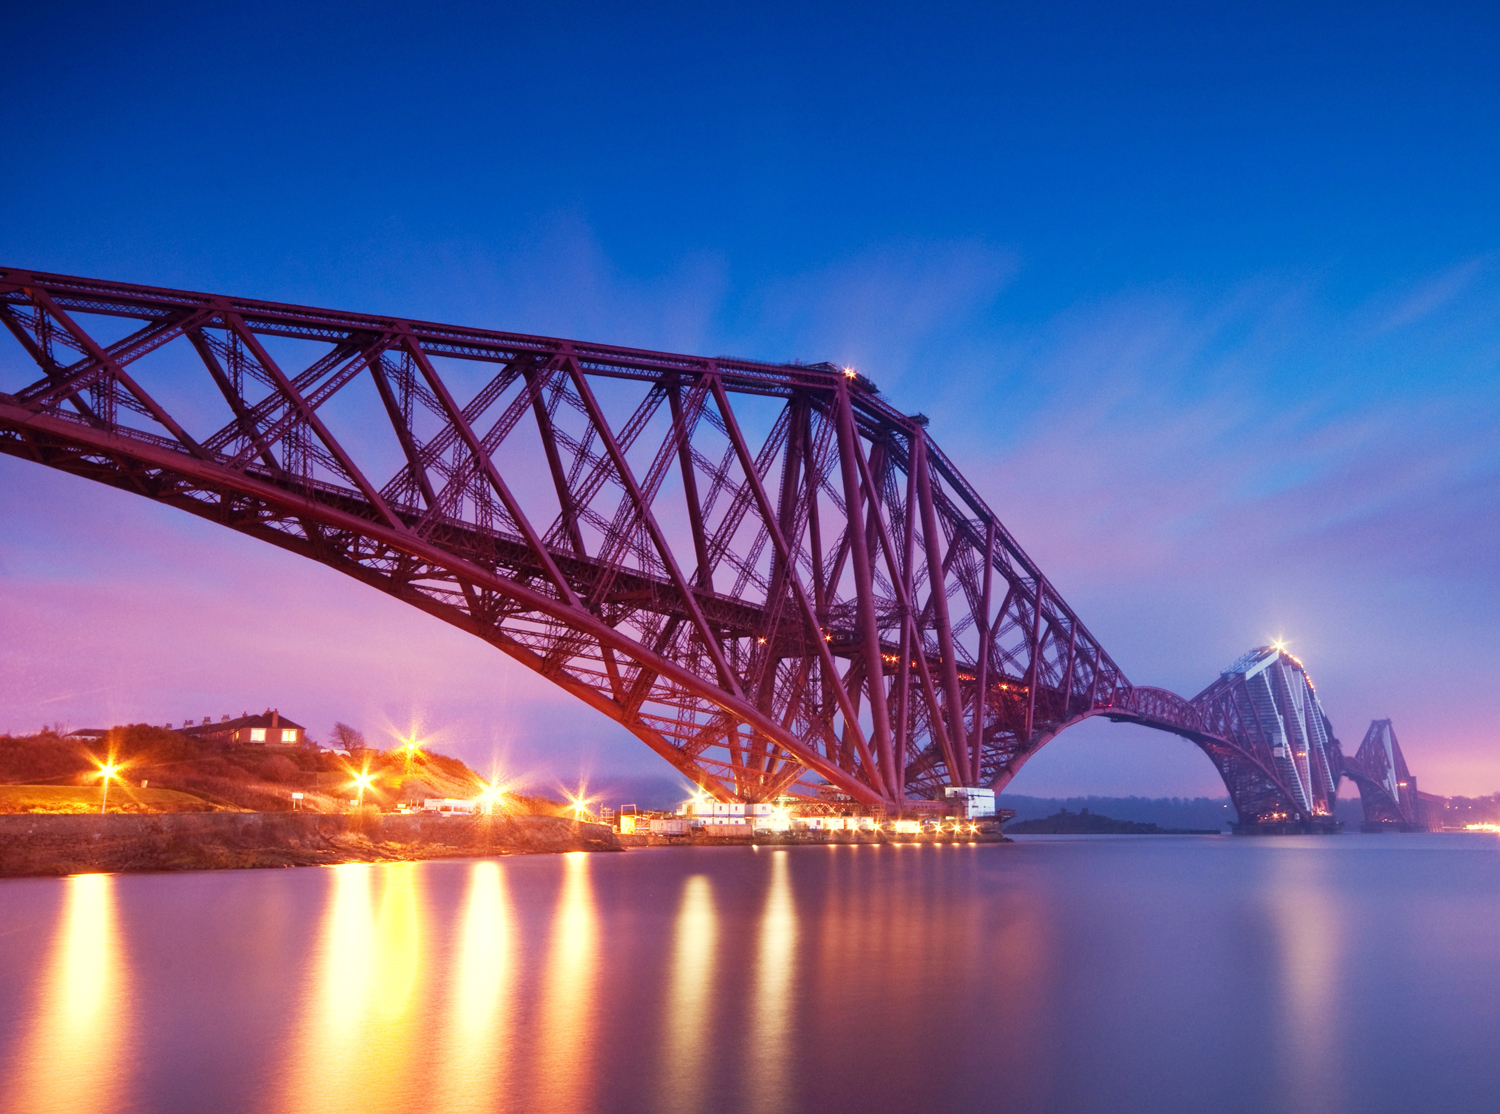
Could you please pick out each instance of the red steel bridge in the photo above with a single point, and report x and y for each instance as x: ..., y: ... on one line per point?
x: 767, y: 573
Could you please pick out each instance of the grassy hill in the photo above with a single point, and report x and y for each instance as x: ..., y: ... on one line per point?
x: 72, y: 798
x: 51, y: 773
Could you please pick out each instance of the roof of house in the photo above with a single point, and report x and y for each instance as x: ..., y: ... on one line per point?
x: 88, y: 733
x: 225, y: 727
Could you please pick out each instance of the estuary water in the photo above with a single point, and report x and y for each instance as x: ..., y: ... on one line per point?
x: 1350, y: 973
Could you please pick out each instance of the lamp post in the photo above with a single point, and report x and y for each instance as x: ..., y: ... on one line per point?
x: 363, y: 781
x: 106, y: 772
x: 489, y: 796
x: 410, y: 749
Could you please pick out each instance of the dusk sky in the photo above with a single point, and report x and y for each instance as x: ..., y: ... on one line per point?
x: 1203, y: 299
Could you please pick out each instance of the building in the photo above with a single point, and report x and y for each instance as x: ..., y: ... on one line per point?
x: 450, y: 806
x: 270, y: 728
x: 970, y: 803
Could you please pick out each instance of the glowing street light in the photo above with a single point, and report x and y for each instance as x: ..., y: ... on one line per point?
x: 578, y: 802
x: 489, y: 797
x: 107, y: 772
x: 362, y: 781
x: 411, y: 750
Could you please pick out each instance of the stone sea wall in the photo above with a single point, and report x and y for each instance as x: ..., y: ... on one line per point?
x: 50, y: 845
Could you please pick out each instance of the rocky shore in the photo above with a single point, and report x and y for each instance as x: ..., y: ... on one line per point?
x: 33, y: 845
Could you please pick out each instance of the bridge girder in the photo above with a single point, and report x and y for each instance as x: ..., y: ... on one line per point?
x: 765, y: 572
x: 1387, y: 789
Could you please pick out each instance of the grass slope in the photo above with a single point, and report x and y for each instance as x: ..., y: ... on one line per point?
x: 81, y: 799
x: 51, y: 773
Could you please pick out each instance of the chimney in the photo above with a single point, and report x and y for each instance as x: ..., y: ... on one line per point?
x: 276, y: 725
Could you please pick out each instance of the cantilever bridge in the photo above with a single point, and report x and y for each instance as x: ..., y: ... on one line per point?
x: 766, y: 572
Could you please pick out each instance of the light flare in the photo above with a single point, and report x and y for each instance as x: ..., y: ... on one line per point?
x: 579, y: 803
x: 362, y: 781
x: 107, y: 772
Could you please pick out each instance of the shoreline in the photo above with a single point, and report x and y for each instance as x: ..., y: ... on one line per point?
x: 34, y: 845
x: 42, y: 845
x: 810, y: 839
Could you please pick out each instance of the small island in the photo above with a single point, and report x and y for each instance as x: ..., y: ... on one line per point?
x: 1085, y: 822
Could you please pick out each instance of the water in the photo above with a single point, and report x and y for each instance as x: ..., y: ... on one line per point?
x: 1355, y: 973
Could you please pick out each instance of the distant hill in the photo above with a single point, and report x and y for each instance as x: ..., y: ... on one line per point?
x: 654, y: 793
x: 1167, y: 812
x: 1085, y: 822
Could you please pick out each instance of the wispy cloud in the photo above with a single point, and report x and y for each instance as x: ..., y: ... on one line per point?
x: 1430, y: 296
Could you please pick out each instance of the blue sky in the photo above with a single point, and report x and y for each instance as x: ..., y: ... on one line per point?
x: 1203, y: 298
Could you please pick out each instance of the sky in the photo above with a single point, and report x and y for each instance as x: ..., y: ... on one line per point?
x: 1203, y: 299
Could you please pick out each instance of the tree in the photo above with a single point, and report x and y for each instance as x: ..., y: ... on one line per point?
x: 350, y: 738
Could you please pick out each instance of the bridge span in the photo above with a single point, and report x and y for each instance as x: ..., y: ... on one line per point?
x: 767, y: 573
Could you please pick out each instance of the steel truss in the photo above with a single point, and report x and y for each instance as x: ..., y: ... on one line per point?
x: 766, y: 573
x: 1387, y: 789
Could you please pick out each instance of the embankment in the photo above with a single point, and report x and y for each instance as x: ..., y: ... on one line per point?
x: 50, y: 845
x: 709, y: 837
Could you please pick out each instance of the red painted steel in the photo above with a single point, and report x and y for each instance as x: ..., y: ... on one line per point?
x: 1387, y: 789
x: 606, y: 517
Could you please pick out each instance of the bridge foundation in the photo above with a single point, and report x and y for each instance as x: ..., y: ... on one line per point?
x: 1289, y: 827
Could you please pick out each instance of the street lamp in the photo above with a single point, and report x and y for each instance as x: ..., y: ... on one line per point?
x: 363, y: 781
x: 410, y: 749
x: 107, y: 773
x: 489, y: 796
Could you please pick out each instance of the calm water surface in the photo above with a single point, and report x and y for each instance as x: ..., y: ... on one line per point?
x: 1355, y: 973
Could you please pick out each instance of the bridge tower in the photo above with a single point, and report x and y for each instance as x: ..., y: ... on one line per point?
x: 1387, y: 789
x: 1262, y: 725
x: 1268, y: 703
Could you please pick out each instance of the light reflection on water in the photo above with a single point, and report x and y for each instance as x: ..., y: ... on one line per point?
x: 1309, y: 938
x: 689, y: 998
x: 563, y: 1040
x: 355, y: 1048
x: 72, y: 1059
x: 774, y: 1022
x: 1145, y: 975
x: 472, y: 1071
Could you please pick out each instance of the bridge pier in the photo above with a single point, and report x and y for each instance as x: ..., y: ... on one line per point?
x: 1289, y: 827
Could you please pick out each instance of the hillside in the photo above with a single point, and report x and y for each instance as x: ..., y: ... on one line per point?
x: 1089, y: 823
x: 51, y: 773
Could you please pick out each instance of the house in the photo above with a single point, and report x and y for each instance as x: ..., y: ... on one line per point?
x: 270, y: 728
x: 88, y: 734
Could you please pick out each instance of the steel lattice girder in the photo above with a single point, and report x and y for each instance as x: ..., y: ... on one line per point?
x: 768, y: 574
x: 1387, y: 790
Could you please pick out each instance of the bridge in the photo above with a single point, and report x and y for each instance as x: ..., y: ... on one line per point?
x: 767, y: 573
